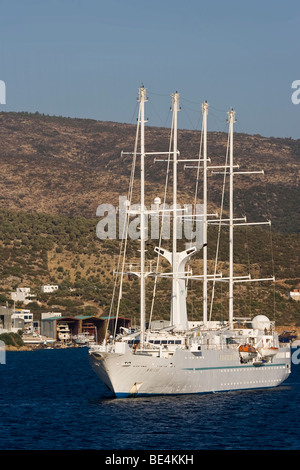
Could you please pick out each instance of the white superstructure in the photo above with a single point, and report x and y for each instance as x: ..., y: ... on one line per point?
x: 184, y: 357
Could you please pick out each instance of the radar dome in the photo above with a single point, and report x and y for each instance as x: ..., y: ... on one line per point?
x: 261, y: 322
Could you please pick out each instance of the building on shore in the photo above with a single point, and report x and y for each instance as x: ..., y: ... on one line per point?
x: 22, y: 294
x: 294, y: 294
x: 49, y: 288
x: 90, y: 325
x: 5, y: 320
x: 22, y: 319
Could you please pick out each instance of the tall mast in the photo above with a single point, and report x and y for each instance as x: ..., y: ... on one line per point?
x: 175, y: 102
x: 177, y: 259
x: 142, y: 100
x: 205, y: 112
x: 174, y: 307
x: 231, y: 120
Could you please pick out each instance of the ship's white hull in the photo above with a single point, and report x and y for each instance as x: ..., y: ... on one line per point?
x: 132, y: 374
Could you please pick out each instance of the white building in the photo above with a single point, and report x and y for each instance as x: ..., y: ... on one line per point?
x: 22, y: 294
x: 26, y: 316
x: 5, y: 319
x: 295, y: 294
x: 50, y: 315
x: 46, y: 289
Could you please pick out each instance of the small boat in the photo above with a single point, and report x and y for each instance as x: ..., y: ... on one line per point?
x: 63, y: 332
x: 268, y: 351
x: 82, y: 339
x: 259, y: 362
x: 247, y: 352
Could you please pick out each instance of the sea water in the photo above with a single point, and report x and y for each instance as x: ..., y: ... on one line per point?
x: 52, y: 400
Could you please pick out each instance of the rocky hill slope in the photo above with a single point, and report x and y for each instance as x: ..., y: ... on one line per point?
x: 56, y: 171
x: 70, y: 166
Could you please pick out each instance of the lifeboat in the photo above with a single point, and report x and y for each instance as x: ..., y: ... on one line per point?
x: 247, y: 352
x: 267, y: 351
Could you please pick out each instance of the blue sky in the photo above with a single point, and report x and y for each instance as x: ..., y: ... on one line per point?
x: 87, y: 58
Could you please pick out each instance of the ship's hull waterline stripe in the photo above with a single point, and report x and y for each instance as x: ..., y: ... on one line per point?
x: 233, y: 367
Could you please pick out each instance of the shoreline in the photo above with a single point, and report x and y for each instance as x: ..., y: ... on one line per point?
x: 35, y: 347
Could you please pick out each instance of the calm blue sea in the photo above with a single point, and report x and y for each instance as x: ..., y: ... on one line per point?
x: 52, y: 400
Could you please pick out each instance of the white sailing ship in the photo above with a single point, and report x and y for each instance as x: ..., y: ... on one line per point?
x: 188, y: 357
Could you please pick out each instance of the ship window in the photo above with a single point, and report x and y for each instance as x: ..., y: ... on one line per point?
x: 171, y: 341
x: 230, y: 341
x: 177, y: 341
x: 164, y: 341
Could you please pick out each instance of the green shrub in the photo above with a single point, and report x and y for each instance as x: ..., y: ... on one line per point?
x: 12, y: 339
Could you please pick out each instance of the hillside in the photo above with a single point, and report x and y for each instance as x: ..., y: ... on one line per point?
x: 69, y: 166
x: 37, y: 248
x: 56, y: 171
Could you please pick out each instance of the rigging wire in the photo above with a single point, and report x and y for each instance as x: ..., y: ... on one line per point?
x: 162, y: 222
x: 163, y: 123
x: 198, y: 103
x: 270, y: 228
x: 158, y: 94
x: 197, y: 184
x: 185, y: 108
x: 219, y: 230
x: 129, y: 199
x: 134, y: 114
x: 272, y: 250
x: 195, y: 202
x: 249, y: 286
x: 123, y: 246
